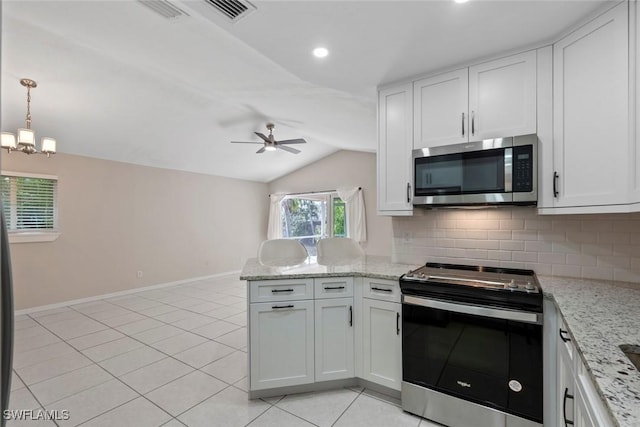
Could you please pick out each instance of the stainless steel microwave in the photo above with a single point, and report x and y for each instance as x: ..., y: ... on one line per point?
x: 489, y: 172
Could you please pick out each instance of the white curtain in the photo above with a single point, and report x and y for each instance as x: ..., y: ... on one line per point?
x: 274, y: 229
x: 354, y: 213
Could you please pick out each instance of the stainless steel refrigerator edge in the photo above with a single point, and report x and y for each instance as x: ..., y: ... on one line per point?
x: 6, y: 305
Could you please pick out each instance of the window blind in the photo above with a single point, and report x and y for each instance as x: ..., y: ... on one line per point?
x: 29, y: 203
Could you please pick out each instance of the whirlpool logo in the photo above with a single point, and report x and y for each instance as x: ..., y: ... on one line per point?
x: 463, y: 384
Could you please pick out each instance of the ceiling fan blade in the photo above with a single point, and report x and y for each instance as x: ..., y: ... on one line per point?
x: 260, y: 151
x: 289, y: 149
x: 293, y: 141
x: 261, y: 135
x: 246, y: 142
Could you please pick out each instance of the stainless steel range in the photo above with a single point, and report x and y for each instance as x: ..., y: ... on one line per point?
x: 472, y: 345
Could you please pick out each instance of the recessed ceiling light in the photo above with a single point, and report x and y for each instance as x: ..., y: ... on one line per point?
x: 320, y: 52
x: 460, y: 1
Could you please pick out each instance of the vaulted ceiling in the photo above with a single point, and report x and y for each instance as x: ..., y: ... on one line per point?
x: 118, y: 81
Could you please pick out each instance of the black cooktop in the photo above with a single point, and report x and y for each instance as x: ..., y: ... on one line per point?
x: 494, y: 286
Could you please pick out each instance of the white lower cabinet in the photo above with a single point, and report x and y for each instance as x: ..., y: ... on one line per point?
x: 382, y: 342
x: 282, y: 344
x: 334, y: 339
x: 578, y: 401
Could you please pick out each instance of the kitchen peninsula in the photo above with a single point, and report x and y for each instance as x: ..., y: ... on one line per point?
x: 302, y: 319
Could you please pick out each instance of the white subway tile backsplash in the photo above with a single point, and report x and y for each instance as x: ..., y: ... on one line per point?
x: 512, y: 224
x: 524, y: 235
x: 581, y: 260
x: 499, y: 234
x: 512, y: 245
x: 588, y: 246
x: 525, y: 256
x: 551, y: 258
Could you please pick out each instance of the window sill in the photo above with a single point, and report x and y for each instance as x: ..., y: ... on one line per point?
x: 33, y: 237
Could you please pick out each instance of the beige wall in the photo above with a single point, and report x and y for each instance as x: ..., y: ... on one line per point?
x: 605, y: 246
x: 118, y: 218
x: 343, y: 169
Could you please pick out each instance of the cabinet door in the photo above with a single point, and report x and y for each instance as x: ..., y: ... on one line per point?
x: 591, y: 108
x: 502, y: 97
x: 394, y: 150
x: 334, y: 339
x: 440, y: 110
x: 281, y: 338
x: 382, y: 342
x: 566, y: 389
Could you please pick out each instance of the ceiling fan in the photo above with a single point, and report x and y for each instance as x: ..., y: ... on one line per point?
x: 270, y: 143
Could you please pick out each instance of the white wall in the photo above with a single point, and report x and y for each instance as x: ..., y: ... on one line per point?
x: 344, y: 169
x: 586, y: 246
x: 118, y: 218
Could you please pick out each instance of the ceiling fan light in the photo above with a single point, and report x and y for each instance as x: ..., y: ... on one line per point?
x: 270, y: 147
x: 8, y: 140
x: 48, y: 145
x: 26, y: 137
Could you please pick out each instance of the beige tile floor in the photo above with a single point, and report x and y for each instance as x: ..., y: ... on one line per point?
x: 169, y: 357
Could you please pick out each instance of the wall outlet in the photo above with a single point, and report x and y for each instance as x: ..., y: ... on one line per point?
x: 139, y: 274
x: 406, y: 237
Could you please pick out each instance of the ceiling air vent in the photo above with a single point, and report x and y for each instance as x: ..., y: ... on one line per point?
x: 164, y: 8
x: 232, y: 9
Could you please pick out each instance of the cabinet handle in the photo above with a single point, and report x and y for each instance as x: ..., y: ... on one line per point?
x: 329, y: 288
x: 408, y: 192
x: 564, y: 407
x: 276, y: 307
x: 555, y: 184
x: 275, y: 291
x: 473, y: 123
x: 350, y: 315
x: 563, y: 337
x: 374, y: 288
x: 397, y: 323
x: 463, y: 123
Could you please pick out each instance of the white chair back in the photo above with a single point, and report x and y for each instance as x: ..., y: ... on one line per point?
x: 334, y: 250
x: 281, y: 252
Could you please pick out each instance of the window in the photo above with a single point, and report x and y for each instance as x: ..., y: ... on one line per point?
x: 30, y: 206
x: 311, y: 217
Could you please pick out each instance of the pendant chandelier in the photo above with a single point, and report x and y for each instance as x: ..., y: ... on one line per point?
x: 26, y: 136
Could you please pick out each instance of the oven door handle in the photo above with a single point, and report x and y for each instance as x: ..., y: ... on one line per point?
x: 496, y: 313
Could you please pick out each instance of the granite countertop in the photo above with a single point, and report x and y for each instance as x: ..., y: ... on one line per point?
x: 378, y: 267
x: 601, y: 316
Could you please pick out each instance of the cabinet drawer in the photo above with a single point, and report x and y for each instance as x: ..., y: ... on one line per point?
x: 381, y: 289
x: 333, y: 287
x: 280, y: 290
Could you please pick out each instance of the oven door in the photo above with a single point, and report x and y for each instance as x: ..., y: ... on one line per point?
x: 492, y: 357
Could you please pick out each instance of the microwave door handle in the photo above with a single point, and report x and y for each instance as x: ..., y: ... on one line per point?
x: 508, y: 170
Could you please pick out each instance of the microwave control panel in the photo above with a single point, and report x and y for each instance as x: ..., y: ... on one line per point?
x: 523, y: 168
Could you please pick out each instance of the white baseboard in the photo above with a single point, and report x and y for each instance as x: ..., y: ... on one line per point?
x: 225, y: 275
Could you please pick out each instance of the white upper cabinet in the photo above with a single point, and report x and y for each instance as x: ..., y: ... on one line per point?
x: 440, y: 105
x: 489, y: 100
x: 395, y: 115
x: 502, y: 97
x: 591, y: 155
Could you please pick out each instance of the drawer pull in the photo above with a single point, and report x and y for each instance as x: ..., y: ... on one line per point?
x: 276, y: 307
x: 564, y: 407
x: 331, y: 288
x: 374, y: 288
x: 563, y: 337
x: 275, y: 291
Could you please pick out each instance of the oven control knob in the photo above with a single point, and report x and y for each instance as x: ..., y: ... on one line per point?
x: 529, y: 286
x: 422, y: 275
x: 513, y: 284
